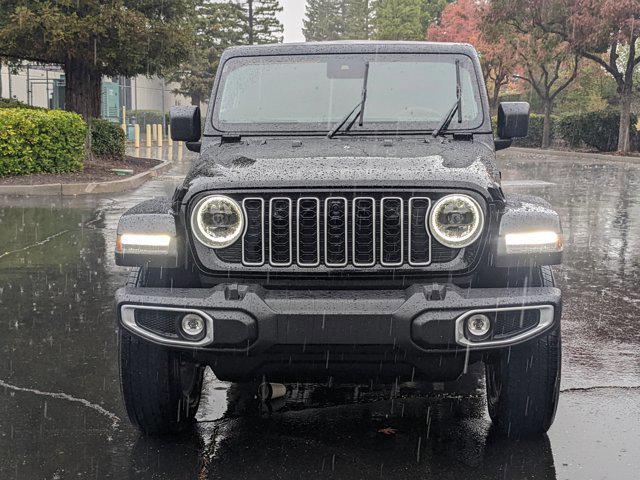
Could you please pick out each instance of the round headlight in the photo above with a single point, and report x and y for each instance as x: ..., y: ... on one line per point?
x: 217, y: 221
x: 456, y: 221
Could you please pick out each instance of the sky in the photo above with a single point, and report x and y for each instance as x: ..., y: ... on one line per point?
x: 291, y: 17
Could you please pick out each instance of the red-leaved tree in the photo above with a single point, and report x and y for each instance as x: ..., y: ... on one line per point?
x: 549, y: 67
x: 603, y: 31
x: 461, y: 22
x: 544, y: 60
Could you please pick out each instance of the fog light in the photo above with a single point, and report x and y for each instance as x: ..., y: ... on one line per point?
x: 478, y: 325
x: 193, y: 326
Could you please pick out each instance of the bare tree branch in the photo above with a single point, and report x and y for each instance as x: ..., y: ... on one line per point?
x: 574, y: 74
x: 556, y: 74
x: 615, y: 73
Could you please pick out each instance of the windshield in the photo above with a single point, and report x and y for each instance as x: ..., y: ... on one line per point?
x: 406, y: 92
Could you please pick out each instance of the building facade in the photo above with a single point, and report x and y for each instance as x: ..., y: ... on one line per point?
x: 44, y: 86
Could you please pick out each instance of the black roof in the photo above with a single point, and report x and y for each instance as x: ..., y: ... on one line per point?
x: 350, y: 46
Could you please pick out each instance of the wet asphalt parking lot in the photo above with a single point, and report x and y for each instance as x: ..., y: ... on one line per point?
x: 61, y: 415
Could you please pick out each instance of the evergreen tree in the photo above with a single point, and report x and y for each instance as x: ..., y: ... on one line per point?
x: 432, y: 11
x: 399, y: 20
x: 325, y: 20
x: 358, y: 18
x: 263, y: 25
x: 338, y: 19
x: 217, y: 26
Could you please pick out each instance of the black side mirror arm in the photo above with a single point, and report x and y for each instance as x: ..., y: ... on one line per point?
x: 502, y: 143
x: 194, y: 146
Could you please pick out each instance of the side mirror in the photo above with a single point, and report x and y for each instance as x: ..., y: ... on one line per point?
x: 193, y: 146
x: 513, y: 122
x: 186, y: 124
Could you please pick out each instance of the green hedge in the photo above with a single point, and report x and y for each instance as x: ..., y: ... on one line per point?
x: 534, y: 137
x: 597, y: 130
x: 40, y: 141
x: 13, y: 103
x: 534, y: 134
x: 107, y: 139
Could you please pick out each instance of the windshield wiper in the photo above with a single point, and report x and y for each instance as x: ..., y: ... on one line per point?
x: 358, y: 108
x: 456, y: 107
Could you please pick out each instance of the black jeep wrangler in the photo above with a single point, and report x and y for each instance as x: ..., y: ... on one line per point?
x: 344, y: 222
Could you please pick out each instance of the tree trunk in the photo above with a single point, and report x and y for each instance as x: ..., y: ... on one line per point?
x: 546, y: 124
x: 83, y: 89
x: 251, y: 21
x: 624, y: 141
x: 367, y: 14
x: 495, y: 97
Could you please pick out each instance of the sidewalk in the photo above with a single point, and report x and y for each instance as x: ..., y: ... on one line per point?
x: 595, y: 157
x: 168, y: 155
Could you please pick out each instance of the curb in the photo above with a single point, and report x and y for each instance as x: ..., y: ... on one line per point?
x: 74, y: 189
x: 576, y: 155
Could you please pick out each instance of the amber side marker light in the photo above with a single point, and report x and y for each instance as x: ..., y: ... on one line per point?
x: 142, y: 242
x: 534, y: 242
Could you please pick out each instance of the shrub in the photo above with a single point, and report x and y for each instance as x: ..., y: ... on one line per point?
x: 40, y: 141
x: 597, y: 129
x: 13, y: 103
x: 534, y: 137
x: 107, y: 139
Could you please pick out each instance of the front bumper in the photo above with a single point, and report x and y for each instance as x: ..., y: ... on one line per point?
x: 300, y: 334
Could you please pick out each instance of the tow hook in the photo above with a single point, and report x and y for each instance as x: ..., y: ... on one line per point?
x: 268, y: 395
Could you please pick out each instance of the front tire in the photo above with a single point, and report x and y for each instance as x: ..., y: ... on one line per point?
x: 161, y: 391
x: 523, y: 382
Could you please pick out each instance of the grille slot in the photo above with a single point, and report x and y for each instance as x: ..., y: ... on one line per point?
x: 391, y: 232
x: 162, y: 322
x: 253, y: 238
x: 335, y: 238
x: 280, y: 236
x: 308, y: 213
x: 419, y: 236
x: 509, y: 323
x: 364, y: 232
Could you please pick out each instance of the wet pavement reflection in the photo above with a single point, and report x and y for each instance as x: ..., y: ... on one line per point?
x: 600, y: 208
x: 60, y: 409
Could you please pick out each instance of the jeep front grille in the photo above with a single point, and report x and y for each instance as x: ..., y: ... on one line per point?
x: 336, y: 231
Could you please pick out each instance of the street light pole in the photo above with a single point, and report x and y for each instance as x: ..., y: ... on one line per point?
x: 28, y: 86
x: 164, y: 120
x: 47, y: 82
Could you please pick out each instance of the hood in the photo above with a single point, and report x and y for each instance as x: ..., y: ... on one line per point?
x: 344, y: 163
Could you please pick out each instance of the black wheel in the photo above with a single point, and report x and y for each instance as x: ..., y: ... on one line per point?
x: 161, y: 391
x: 523, y: 382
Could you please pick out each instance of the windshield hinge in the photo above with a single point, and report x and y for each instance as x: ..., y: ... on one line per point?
x: 230, y: 138
x: 463, y: 136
